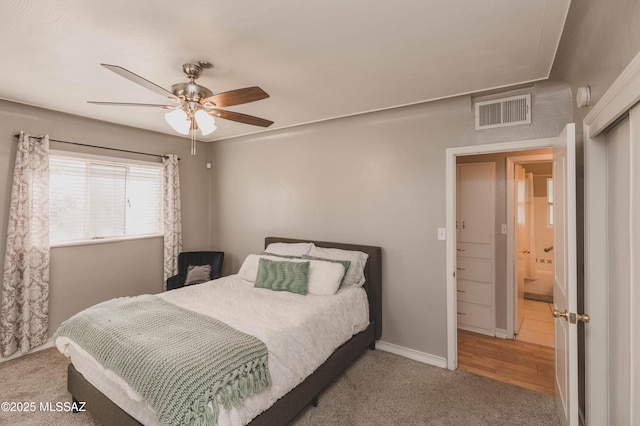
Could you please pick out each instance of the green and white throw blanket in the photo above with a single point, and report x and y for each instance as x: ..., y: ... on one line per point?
x: 185, y: 364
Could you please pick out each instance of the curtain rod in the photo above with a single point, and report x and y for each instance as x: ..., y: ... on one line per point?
x: 17, y: 135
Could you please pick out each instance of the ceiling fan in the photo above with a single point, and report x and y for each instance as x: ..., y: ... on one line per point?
x: 194, y: 106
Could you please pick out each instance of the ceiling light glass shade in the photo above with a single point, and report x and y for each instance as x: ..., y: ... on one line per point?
x: 206, y: 123
x: 178, y: 120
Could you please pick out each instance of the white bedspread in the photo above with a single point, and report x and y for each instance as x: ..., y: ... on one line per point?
x: 300, y: 332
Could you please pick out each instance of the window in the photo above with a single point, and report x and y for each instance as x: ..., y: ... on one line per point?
x: 549, y: 201
x: 95, y: 198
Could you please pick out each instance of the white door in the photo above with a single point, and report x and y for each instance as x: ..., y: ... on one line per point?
x: 475, y: 212
x: 565, y: 282
x: 521, y: 245
x: 475, y: 266
x: 619, y: 199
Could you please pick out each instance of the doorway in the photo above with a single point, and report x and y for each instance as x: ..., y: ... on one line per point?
x: 530, y: 211
x: 451, y: 157
x: 520, y: 361
x: 565, y: 297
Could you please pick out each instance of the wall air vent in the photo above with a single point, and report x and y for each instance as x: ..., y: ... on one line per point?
x: 504, y: 112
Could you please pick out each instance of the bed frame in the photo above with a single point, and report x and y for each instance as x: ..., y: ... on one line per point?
x: 290, y: 405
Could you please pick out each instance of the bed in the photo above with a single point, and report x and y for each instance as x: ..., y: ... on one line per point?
x: 306, y: 392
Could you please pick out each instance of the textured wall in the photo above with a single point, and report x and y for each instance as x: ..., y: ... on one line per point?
x: 599, y: 40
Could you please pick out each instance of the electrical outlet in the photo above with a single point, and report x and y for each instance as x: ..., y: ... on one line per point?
x: 442, y: 234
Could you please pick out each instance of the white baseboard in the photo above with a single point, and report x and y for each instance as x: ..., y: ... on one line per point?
x: 46, y: 345
x: 501, y: 333
x: 412, y: 354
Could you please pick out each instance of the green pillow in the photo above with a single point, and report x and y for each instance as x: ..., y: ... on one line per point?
x: 345, y: 263
x: 283, y: 276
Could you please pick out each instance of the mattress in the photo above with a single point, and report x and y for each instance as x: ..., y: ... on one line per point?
x: 300, y: 333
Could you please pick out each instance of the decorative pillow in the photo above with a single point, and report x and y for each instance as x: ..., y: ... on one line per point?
x: 197, y: 274
x: 289, y: 249
x: 324, y: 277
x: 283, y: 276
x: 344, y: 263
x: 284, y: 256
x: 249, y: 268
x: 358, y: 259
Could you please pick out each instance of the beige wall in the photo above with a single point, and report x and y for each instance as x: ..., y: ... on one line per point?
x: 375, y: 179
x: 84, y: 275
x: 599, y: 40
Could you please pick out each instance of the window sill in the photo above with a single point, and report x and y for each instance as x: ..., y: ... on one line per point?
x: 103, y: 240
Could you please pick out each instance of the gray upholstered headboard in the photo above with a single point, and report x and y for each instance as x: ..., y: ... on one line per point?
x: 372, y: 273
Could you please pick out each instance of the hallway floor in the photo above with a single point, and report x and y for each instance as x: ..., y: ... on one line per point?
x: 528, y: 361
x: 537, y: 325
x: 527, y: 365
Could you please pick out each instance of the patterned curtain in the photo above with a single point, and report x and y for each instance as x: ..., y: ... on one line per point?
x: 24, y: 308
x: 172, y: 216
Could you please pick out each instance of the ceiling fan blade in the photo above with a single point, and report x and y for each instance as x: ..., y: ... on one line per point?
x: 236, y: 97
x: 141, y: 81
x: 241, y: 118
x: 131, y: 104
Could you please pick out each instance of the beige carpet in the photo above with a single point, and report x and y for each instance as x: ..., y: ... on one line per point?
x: 379, y: 389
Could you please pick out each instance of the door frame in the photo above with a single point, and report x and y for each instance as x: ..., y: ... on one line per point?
x: 512, y: 264
x: 623, y: 94
x: 451, y: 154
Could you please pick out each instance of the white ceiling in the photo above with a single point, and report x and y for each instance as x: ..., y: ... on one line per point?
x: 317, y: 59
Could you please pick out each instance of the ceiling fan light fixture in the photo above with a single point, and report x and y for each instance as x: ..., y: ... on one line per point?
x: 179, y: 121
x: 206, y: 122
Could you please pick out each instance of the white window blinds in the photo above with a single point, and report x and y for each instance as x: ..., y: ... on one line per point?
x: 100, y: 197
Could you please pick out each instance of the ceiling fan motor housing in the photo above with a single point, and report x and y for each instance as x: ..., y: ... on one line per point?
x: 191, y: 92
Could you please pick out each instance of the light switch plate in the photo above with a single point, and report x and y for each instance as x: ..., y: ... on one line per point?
x: 504, y: 229
x: 442, y: 234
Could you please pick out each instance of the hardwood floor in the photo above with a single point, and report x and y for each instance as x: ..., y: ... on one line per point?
x: 523, y: 364
x: 537, y: 325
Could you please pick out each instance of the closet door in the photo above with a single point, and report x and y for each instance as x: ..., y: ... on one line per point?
x: 475, y: 269
x: 476, y: 188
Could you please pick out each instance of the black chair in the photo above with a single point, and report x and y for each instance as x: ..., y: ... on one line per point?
x: 195, y: 258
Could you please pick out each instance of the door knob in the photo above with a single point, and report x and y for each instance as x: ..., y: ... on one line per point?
x: 584, y: 317
x: 572, y: 318
x: 561, y: 314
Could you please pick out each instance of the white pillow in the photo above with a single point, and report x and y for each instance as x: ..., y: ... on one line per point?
x: 358, y: 259
x: 289, y: 249
x: 324, y: 277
